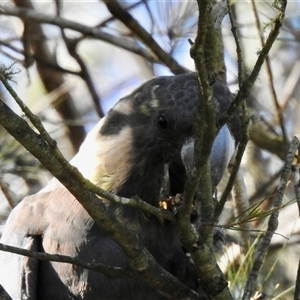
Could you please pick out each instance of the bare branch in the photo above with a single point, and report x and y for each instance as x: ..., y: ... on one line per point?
x: 263, y: 246
x: 37, y: 17
x: 296, y: 183
x: 113, y: 272
x: 214, y: 283
x: 5, y: 190
x: 37, y: 58
x: 34, y: 39
x: 239, y: 52
x: 71, y: 45
x: 241, y: 204
x: 297, y: 285
x: 247, y: 85
x: 127, y: 19
x: 269, y: 73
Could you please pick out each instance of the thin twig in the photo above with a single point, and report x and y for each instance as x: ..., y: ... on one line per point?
x: 192, y: 184
x: 112, y: 272
x: 71, y: 45
x: 247, y: 85
x: 290, y: 85
x: 38, y: 17
x: 296, y: 183
x: 297, y: 285
x: 269, y: 74
x: 34, y: 40
x: 36, y: 57
x: 200, y: 245
x: 128, y: 20
x: 196, y: 52
x: 241, y: 203
x: 129, y: 7
x: 263, y: 246
x: 234, y: 30
x: 5, y: 190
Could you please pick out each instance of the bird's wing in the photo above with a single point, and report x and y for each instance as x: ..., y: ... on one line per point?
x: 51, y: 221
x: 18, y: 274
x: 40, y: 223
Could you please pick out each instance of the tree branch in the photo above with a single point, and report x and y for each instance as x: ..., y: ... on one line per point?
x: 296, y: 183
x: 263, y: 246
x: 112, y: 272
x: 6, y: 192
x: 239, y: 52
x: 200, y: 246
x: 34, y: 40
x: 267, y: 140
x: 37, y: 58
x: 38, y: 17
x: 248, y: 83
x: 71, y: 45
x: 127, y: 19
x: 269, y: 74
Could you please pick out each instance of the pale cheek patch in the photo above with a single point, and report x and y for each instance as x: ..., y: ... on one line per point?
x: 124, y: 107
x: 115, y: 162
x: 106, y: 160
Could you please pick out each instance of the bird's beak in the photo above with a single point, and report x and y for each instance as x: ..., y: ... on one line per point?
x: 221, y: 153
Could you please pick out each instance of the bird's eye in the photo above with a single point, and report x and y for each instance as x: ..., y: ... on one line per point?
x: 163, y: 121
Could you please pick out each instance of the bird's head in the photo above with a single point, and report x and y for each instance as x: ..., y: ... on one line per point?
x: 127, y: 151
